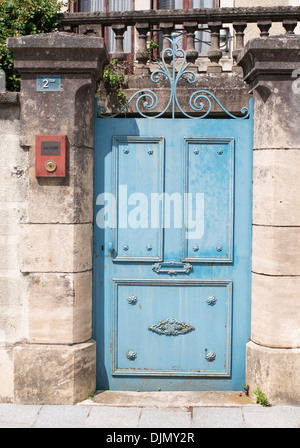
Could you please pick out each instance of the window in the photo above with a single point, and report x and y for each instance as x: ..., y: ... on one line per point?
x: 170, y: 4
x: 111, y: 5
x: 202, y: 43
x: 202, y: 36
x: 185, y: 4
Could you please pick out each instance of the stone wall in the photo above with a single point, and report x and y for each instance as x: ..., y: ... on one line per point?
x: 273, y: 355
x: 14, y: 298
x: 56, y: 362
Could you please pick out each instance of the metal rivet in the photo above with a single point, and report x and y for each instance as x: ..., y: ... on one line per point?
x: 149, y: 247
x: 195, y: 248
x: 126, y: 150
x: 131, y: 355
x: 210, y: 356
x: 196, y: 151
x: 219, y: 248
x: 132, y: 299
x: 211, y: 300
x: 125, y: 247
x: 220, y: 152
x: 150, y: 151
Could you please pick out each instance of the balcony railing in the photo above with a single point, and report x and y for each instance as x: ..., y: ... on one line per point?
x: 166, y: 21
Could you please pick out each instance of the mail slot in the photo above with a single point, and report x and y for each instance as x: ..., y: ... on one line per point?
x: 51, y: 153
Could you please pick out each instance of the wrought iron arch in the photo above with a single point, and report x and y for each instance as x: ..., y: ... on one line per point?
x: 200, y: 101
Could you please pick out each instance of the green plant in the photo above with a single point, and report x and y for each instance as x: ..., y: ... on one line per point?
x: 91, y: 395
x: 19, y: 18
x: 152, y: 46
x: 261, y: 398
x: 114, y: 79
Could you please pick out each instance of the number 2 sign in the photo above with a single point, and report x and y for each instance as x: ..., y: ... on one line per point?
x: 48, y: 83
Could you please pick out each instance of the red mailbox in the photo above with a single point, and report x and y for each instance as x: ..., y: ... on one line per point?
x: 51, y: 151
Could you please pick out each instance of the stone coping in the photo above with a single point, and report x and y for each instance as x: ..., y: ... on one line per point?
x: 12, y: 98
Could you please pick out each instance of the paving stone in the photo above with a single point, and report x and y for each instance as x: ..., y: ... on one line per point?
x: 62, y: 417
x: 217, y: 417
x: 270, y: 417
x: 165, y: 418
x: 17, y: 416
x: 296, y: 412
x: 113, y: 417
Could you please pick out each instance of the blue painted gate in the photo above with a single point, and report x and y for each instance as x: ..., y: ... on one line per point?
x: 172, y: 245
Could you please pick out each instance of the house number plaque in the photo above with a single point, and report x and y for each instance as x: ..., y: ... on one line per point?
x: 48, y: 83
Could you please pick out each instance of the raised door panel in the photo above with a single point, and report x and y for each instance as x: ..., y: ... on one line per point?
x: 171, y: 327
x: 208, y: 199
x: 138, y: 174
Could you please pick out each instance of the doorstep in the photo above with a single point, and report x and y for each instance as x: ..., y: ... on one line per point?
x: 169, y: 399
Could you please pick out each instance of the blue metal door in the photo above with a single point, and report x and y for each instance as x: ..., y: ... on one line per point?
x: 172, y: 253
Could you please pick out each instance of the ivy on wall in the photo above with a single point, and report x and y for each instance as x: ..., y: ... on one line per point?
x: 23, y: 17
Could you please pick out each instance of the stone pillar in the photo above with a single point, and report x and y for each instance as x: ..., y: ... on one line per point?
x: 273, y: 355
x: 57, y: 363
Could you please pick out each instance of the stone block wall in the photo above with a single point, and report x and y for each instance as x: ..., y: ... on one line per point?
x: 14, y: 295
x: 53, y: 359
x: 273, y: 355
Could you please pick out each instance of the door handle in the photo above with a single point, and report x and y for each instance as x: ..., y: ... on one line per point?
x: 172, y: 268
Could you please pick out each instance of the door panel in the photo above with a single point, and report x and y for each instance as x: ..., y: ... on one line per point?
x: 171, y: 328
x: 167, y: 315
x: 139, y: 172
x: 209, y: 173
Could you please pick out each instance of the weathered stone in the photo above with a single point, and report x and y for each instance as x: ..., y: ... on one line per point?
x: 276, y: 185
x: 13, y: 306
x: 245, y: 13
x: 268, y: 66
x: 54, y: 374
x: 79, y: 60
x: 64, y: 51
x: 9, y: 98
x: 56, y: 248
x: 68, y: 112
x: 55, y: 244
x: 13, y: 210
x: 275, y: 312
x: 13, y: 160
x: 60, y: 308
x: 275, y: 371
x: 230, y: 90
x: 6, y: 374
x: 276, y: 250
x: 64, y: 201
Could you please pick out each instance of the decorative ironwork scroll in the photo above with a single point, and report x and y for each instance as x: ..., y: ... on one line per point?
x: 171, y: 327
x: 199, y: 102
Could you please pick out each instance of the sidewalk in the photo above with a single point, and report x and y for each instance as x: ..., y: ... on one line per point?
x: 187, y: 410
